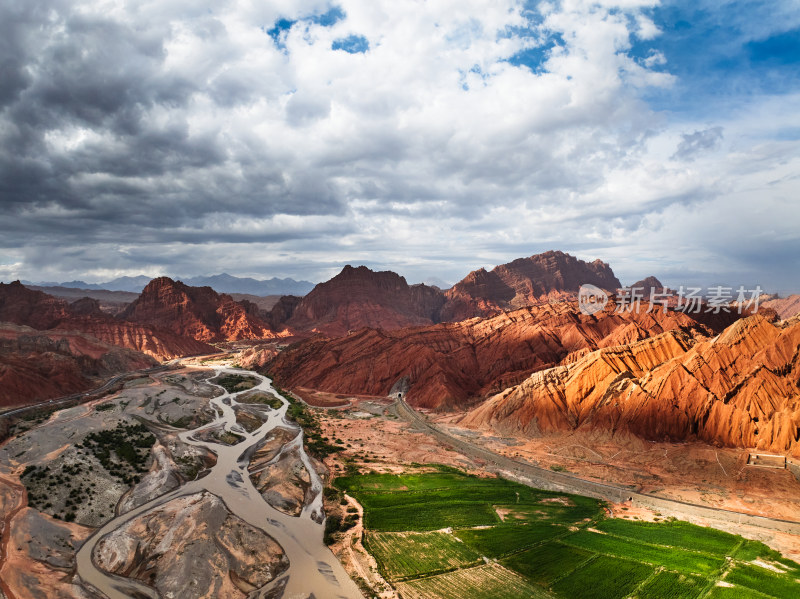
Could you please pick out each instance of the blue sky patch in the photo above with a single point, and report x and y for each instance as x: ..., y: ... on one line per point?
x: 535, y: 57
x: 721, y: 56
x: 282, y: 25
x: 354, y: 44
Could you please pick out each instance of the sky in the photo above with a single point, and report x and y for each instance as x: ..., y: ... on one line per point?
x: 291, y: 137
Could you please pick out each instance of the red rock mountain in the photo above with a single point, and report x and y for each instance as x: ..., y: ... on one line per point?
x: 739, y: 389
x: 785, y: 307
x: 37, y: 365
x: 647, y: 284
x: 451, y: 364
x: 196, y: 312
x: 359, y: 297
x: 23, y: 306
x: 524, y: 282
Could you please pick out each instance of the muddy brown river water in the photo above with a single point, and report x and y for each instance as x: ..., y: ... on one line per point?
x: 313, y: 570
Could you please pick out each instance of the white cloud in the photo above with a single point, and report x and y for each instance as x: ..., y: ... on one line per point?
x: 430, y: 144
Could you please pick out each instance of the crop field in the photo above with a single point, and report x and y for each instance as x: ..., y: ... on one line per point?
x: 403, y: 554
x: 485, y: 582
x: 446, y: 534
x: 733, y: 592
x: 503, y: 539
x: 671, y: 558
x: 672, y: 585
x: 603, y: 578
x: 421, y: 516
x: 547, y: 563
x: 765, y: 581
x: 673, y: 534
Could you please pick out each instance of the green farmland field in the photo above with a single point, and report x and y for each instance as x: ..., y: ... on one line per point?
x: 402, y: 554
x: 502, y: 539
x: 448, y: 535
x: 671, y: 558
x: 547, y: 563
x: 604, y: 578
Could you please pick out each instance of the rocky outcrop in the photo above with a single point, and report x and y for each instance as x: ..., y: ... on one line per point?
x: 524, y: 282
x: 454, y: 364
x: 22, y: 306
x: 256, y: 357
x: 192, y: 547
x: 161, y: 344
x: 35, y: 309
x: 739, y: 389
x: 35, y: 365
x: 785, y: 307
x: 648, y: 284
x: 196, y: 312
x: 359, y: 297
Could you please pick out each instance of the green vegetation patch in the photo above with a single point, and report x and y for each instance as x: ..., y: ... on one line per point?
x: 504, y: 539
x: 336, y: 524
x: 672, y: 585
x: 603, y: 578
x: 752, y: 550
x: 733, y: 592
x: 430, y: 516
x: 546, y: 544
x: 409, y: 554
x: 485, y: 582
x: 765, y: 581
x: 123, y: 451
x: 547, y: 563
x: 233, y: 383
x: 674, y: 559
x: 260, y: 397
x: 675, y: 534
x: 315, y: 442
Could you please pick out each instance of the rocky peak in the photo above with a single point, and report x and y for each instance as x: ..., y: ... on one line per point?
x: 197, y: 312
x: 360, y: 297
x: 524, y: 282
x: 86, y: 306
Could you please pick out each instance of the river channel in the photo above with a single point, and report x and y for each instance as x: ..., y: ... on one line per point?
x: 313, y: 569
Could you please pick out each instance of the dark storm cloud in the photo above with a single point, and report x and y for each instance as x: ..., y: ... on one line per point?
x: 70, y: 73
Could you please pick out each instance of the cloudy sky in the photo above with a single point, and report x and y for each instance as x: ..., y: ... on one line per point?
x: 289, y: 137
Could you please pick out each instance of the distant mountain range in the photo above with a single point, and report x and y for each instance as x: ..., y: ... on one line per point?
x: 223, y: 283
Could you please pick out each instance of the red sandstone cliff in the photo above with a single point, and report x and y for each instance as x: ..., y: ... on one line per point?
x: 37, y: 365
x: 196, y: 312
x: 450, y: 364
x: 359, y: 297
x: 23, y: 306
x: 524, y: 282
x: 739, y: 389
x: 785, y: 307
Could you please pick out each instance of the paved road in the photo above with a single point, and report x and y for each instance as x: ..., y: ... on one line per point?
x: 560, y: 481
x: 77, y: 396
